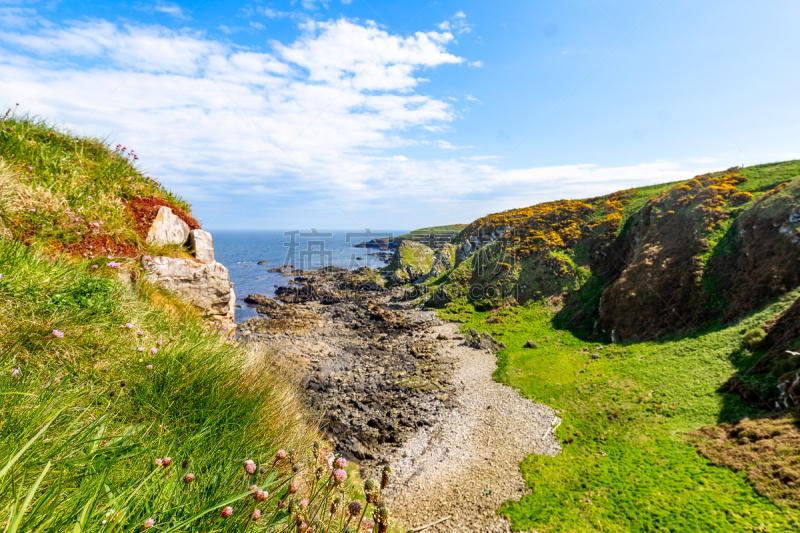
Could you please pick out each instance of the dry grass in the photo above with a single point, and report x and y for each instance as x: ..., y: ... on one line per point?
x: 767, y: 449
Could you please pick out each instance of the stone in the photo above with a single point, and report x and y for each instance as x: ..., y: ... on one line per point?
x: 202, y: 244
x: 531, y: 344
x: 263, y: 262
x: 167, y: 228
x: 206, y: 285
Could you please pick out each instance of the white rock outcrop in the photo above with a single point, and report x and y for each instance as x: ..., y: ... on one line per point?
x: 205, y: 285
x: 201, y: 242
x: 167, y: 228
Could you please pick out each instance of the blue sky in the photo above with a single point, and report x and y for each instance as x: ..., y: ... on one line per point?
x: 353, y: 114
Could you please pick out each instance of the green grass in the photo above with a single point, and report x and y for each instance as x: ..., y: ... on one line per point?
x: 206, y: 402
x: 49, y: 178
x: 627, y: 466
x: 433, y: 230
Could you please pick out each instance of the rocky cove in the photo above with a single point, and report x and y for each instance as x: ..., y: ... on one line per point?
x: 394, y: 384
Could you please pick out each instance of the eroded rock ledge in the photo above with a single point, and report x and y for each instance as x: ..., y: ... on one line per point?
x: 200, y: 280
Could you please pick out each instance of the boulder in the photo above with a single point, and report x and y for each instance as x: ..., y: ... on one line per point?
x: 167, y: 228
x: 202, y: 244
x: 483, y: 341
x: 531, y: 344
x: 205, y: 285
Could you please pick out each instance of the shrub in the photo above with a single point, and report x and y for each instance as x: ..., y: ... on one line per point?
x: 752, y: 338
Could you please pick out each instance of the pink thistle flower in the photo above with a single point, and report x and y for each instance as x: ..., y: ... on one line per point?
x: 159, y: 342
x: 94, y: 267
x: 157, y: 462
x: 339, y: 476
x: 149, y: 367
x: 303, y: 526
x: 140, y: 348
x: 129, y: 325
x: 226, y: 512
x: 281, y: 455
x: 188, y: 478
x: 30, y: 167
x: 303, y: 503
x: 256, y: 514
x: 153, y: 351
x: 148, y: 524
x: 59, y: 334
x: 139, y: 332
x: 282, y: 504
x: 341, y: 462
x: 15, y: 373
x: 158, y: 272
x: 89, y: 197
x: 252, y: 488
x: 249, y: 466
x: 32, y: 210
x: 260, y: 495
x: 148, y: 258
x: 167, y: 461
x: 293, y: 486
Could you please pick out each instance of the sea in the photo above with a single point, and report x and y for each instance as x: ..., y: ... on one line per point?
x: 241, y: 251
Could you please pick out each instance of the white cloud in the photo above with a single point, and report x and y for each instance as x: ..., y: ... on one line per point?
x: 473, y: 99
x: 475, y: 64
x: 170, y: 9
x: 340, y: 53
x: 329, y: 111
x: 457, y: 24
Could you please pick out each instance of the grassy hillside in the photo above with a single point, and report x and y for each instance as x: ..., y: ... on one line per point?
x: 120, y: 408
x: 661, y: 318
x: 76, y: 195
x: 628, y: 418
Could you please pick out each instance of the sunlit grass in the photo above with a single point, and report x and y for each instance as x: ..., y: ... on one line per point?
x: 626, y: 465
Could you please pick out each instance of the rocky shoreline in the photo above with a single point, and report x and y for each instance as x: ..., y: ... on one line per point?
x: 394, y: 384
x: 371, y: 364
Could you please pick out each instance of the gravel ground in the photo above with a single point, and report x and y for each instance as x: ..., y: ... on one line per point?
x: 466, y: 464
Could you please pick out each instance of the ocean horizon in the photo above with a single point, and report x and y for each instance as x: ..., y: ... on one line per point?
x: 240, y: 251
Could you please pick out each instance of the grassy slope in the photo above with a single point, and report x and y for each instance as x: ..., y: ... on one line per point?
x: 54, y: 186
x: 433, y: 230
x: 105, y: 416
x: 627, y: 466
x: 635, y: 404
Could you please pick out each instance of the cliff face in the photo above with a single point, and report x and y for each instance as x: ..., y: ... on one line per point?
x: 704, y: 251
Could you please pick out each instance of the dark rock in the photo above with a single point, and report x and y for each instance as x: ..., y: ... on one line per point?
x: 483, y: 341
x: 531, y: 344
x: 263, y: 262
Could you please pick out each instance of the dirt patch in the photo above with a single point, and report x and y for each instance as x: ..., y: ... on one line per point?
x: 766, y: 449
x: 100, y: 247
x: 145, y: 211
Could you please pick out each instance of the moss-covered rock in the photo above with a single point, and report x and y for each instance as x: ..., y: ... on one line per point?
x: 411, y: 261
